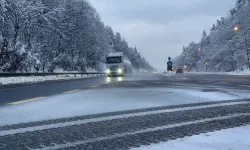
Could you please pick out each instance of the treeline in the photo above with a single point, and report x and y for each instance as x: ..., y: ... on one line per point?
x: 121, y: 45
x: 224, y: 48
x: 46, y: 35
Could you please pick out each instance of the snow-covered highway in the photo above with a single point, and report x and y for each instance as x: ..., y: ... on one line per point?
x: 121, y: 113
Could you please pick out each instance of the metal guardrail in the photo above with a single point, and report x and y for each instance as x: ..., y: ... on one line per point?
x: 49, y: 74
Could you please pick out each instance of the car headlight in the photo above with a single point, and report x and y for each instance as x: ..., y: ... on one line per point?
x: 119, y: 71
x: 108, y: 71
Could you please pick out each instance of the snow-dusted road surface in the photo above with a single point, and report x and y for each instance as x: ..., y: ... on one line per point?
x: 122, y: 113
x: 225, y: 139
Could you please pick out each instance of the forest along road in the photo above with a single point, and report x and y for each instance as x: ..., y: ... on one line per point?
x: 123, y: 112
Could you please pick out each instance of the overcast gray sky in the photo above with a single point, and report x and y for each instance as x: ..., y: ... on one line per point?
x: 160, y: 28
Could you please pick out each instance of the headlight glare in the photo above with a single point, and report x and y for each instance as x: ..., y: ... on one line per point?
x: 119, y: 71
x: 108, y: 71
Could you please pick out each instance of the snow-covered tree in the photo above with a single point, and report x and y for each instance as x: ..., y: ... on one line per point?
x: 223, y: 49
x: 45, y: 35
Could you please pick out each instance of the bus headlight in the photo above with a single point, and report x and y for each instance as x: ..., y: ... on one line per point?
x: 108, y: 71
x: 120, y: 71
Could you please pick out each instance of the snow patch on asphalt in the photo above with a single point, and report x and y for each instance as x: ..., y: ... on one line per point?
x: 36, y: 79
x: 213, y: 96
x: 228, y: 139
x: 101, y: 100
x: 169, y: 73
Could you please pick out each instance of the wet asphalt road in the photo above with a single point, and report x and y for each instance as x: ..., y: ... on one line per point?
x: 230, y: 80
x: 126, y: 129
x: 28, y: 91
x: 15, y: 93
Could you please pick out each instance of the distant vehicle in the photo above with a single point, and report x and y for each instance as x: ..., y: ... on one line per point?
x: 179, y: 71
x: 117, y: 64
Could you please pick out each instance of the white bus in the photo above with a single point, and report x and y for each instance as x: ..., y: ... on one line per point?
x: 117, y: 64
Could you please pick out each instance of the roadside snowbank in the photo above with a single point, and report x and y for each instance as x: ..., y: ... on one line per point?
x: 246, y: 72
x: 36, y: 79
x: 140, y: 70
x: 229, y: 139
x: 168, y: 73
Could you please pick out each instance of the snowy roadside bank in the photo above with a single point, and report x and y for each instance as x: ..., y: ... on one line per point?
x: 37, y: 79
x: 224, y: 73
x: 235, y: 138
x: 169, y: 73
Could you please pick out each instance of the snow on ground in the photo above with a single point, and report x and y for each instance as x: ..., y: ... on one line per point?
x: 245, y: 72
x: 168, y: 73
x: 35, y: 79
x: 228, y: 139
x: 103, y: 100
x: 139, y: 70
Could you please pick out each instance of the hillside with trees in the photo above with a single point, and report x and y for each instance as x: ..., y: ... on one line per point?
x: 226, y: 46
x: 46, y: 35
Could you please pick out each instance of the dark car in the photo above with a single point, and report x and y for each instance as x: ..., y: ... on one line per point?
x: 179, y: 71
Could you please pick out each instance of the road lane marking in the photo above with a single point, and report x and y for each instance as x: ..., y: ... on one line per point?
x: 159, y: 128
x: 95, y: 86
x: 72, y: 91
x: 245, y: 86
x: 92, y: 120
x: 26, y: 101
